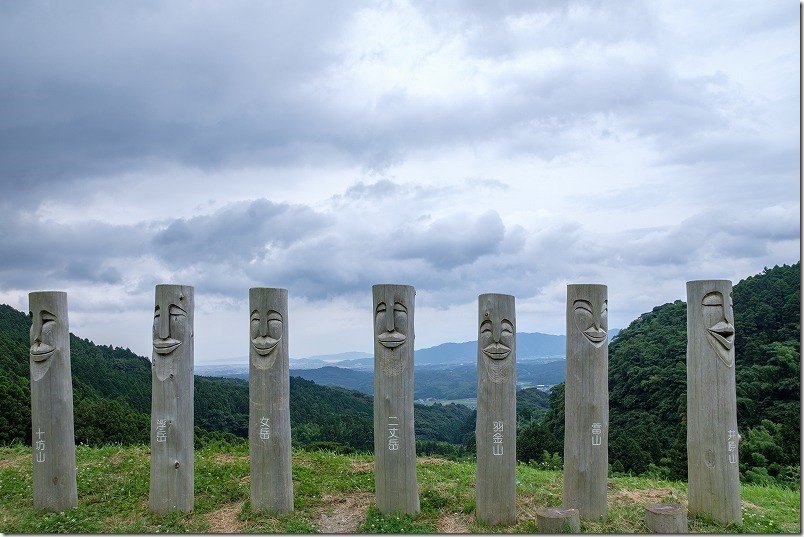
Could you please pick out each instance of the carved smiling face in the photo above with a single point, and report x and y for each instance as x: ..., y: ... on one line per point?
x: 496, y: 342
x: 266, y: 333
x: 592, y: 320
x: 496, y: 338
x: 718, y: 317
x: 170, y: 328
x: 43, y: 335
x: 391, y: 324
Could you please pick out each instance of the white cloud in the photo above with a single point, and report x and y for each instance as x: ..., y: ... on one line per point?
x: 460, y: 147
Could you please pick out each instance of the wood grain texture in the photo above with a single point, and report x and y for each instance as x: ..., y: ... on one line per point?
x: 53, y: 438
x: 495, y: 431
x: 172, y: 412
x: 269, y: 402
x: 396, y: 488
x: 586, y: 401
x: 666, y: 518
x: 712, y: 438
x: 558, y: 520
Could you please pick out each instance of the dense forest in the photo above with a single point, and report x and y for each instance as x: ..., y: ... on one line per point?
x: 647, y: 384
x: 648, y: 378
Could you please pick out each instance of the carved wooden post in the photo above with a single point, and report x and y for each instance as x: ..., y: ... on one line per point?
x: 495, y: 431
x: 586, y: 401
x: 53, y: 440
x: 666, y: 518
x: 396, y: 488
x: 172, y: 465
x: 269, y: 402
x: 712, y: 438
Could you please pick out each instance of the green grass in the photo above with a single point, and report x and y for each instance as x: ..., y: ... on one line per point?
x: 335, y: 493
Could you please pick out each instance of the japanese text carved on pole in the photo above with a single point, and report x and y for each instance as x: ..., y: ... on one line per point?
x: 396, y: 487
x: 172, y: 413
x: 269, y: 402
x: 53, y: 437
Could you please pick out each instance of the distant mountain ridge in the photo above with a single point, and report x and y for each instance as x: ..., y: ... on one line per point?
x: 529, y: 346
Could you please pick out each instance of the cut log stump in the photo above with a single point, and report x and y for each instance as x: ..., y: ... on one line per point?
x: 558, y: 520
x: 666, y: 518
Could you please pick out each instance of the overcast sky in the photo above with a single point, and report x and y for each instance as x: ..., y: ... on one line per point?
x: 462, y: 147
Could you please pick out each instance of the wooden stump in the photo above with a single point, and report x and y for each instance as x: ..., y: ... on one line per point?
x: 666, y: 518
x: 586, y: 401
x: 558, y: 520
x: 395, y: 489
x: 495, y: 430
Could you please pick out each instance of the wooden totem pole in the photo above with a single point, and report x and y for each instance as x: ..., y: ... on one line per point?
x: 712, y: 438
x: 53, y: 434
x: 586, y: 401
x: 495, y: 433
x: 269, y: 402
x: 172, y: 413
x: 396, y: 487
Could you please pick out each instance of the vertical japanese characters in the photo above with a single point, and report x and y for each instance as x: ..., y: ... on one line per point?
x: 269, y: 401
x: 586, y: 401
x: 54, y: 480
x: 712, y: 438
x: 172, y: 414
x: 396, y: 489
x: 495, y: 431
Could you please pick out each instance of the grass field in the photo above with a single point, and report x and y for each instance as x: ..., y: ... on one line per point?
x: 333, y: 494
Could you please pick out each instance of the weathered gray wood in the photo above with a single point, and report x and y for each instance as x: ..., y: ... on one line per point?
x: 269, y: 402
x: 172, y: 464
x: 396, y: 489
x: 558, y: 520
x: 666, y: 518
x: 495, y: 432
x: 586, y: 401
x: 712, y: 438
x: 53, y: 440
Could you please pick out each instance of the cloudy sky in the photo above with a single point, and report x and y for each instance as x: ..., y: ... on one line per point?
x: 462, y: 147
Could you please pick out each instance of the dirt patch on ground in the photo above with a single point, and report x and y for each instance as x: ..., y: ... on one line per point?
x: 343, y: 513
x: 361, y: 467
x: 12, y: 461
x: 640, y: 497
x: 224, y: 520
x: 454, y: 523
x: 432, y: 460
x: 228, y: 458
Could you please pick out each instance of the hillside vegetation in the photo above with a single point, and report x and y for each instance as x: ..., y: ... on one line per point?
x: 334, y: 493
x: 647, y: 383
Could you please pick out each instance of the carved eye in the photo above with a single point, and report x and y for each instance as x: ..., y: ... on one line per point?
x: 381, y: 307
x: 176, y: 311
x: 712, y: 299
x: 485, y: 327
x: 507, y: 328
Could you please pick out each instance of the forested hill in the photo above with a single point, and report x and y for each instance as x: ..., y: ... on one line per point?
x: 112, y: 401
x: 648, y: 382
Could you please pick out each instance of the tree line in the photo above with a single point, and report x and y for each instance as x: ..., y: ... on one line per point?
x: 647, y: 386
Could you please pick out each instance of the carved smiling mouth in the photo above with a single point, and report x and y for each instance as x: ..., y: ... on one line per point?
x: 497, y: 351
x: 41, y: 351
x: 595, y: 335
x: 264, y: 346
x: 166, y: 346
x: 723, y: 332
x: 391, y: 340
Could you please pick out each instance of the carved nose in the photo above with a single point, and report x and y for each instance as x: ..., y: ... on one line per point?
x: 164, y: 324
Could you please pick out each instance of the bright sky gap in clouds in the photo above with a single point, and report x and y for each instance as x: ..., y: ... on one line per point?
x: 462, y: 147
